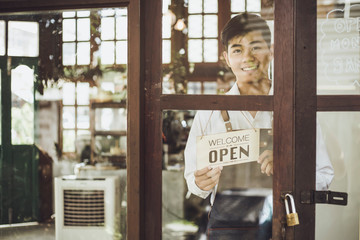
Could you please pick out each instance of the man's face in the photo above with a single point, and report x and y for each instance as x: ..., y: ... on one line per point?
x: 248, y: 57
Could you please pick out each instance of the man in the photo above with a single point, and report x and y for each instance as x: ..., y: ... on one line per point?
x: 246, y: 39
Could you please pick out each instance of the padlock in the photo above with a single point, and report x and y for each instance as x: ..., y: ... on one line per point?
x: 292, y: 219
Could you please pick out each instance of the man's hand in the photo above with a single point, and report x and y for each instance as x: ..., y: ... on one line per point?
x: 266, y: 161
x: 207, y: 177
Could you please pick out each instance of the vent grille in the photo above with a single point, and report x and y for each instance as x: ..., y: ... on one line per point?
x: 84, y: 208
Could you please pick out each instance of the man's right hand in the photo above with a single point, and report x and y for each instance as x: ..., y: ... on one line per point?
x: 207, y: 177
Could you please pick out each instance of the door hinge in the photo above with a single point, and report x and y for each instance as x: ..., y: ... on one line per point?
x: 327, y: 197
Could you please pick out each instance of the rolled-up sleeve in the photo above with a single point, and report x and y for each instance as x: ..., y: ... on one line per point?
x: 190, y: 159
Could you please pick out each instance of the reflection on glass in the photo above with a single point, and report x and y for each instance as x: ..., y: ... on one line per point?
x: 195, y: 26
x: 338, y: 49
x: 341, y: 133
x: 69, y: 55
x: 2, y: 38
x: 83, y: 29
x: 210, y: 23
x: 238, y: 6
x: 121, y: 28
x: 121, y: 52
x: 110, y: 119
x: 83, y: 117
x: 211, y: 55
x: 22, y: 105
x: 23, y: 39
x: 166, y: 54
x: 82, y: 93
x: 184, y: 213
x: 69, y: 141
x: 83, y: 53
x: 69, y: 30
x: 68, y: 14
x: 83, y: 13
x: 253, y: 6
x: 194, y: 6
x: 68, y: 117
x: 107, y: 28
x: 107, y: 52
x: 68, y: 91
x: 210, y: 6
x: 195, y: 50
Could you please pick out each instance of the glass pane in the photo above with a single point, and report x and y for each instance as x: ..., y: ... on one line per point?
x: 69, y: 30
x: 238, y: 6
x: 83, y: 13
x: 211, y: 50
x: 195, y: 50
x: 210, y: 6
x: 107, y: 12
x: 210, y: 26
x: 2, y: 37
x: 82, y: 93
x: 197, y: 58
x: 194, y: 88
x: 68, y: 117
x: 83, y: 117
x: 121, y: 52
x: 166, y: 24
x: 0, y: 109
x: 69, y: 55
x: 195, y: 6
x: 22, y: 105
x: 83, y: 53
x: 210, y: 87
x: 107, y: 28
x: 23, y: 39
x: 83, y: 29
x: 110, y: 119
x: 68, y: 91
x: 121, y: 28
x: 185, y: 206
x: 166, y: 54
x: 338, y: 50
x: 341, y: 138
x: 111, y: 149
x: 68, y: 14
x: 69, y: 141
x: 195, y: 26
x: 107, y: 53
x: 253, y: 6
x: 63, y: 123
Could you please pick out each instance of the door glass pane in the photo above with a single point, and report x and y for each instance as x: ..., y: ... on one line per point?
x: 185, y: 206
x: 23, y: 39
x: 196, y: 54
x: 22, y: 105
x: 68, y: 98
x: 341, y: 136
x: 338, y: 48
x: 2, y: 38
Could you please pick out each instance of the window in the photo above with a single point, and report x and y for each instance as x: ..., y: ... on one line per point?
x: 166, y: 31
x: 76, y: 38
x: 76, y: 118
x: 238, y: 6
x: 202, y: 31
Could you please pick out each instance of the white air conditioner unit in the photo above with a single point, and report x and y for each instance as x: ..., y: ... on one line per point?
x: 87, y: 208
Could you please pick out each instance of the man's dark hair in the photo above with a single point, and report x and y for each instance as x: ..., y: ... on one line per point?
x: 242, y: 24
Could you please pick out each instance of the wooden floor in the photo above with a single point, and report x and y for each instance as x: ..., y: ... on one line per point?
x: 43, y: 231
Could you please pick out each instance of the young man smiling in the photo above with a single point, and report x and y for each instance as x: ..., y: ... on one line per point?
x: 248, y: 52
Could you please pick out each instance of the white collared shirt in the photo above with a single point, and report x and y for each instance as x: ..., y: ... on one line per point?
x: 211, y: 122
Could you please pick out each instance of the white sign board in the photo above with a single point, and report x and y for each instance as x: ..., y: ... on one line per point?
x: 227, y: 148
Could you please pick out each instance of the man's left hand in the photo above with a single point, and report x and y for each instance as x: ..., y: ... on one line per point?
x: 266, y: 162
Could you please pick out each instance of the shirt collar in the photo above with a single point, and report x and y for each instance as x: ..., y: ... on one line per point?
x: 234, y: 90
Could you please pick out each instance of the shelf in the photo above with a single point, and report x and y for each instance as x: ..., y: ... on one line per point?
x: 109, y: 133
x: 121, y: 104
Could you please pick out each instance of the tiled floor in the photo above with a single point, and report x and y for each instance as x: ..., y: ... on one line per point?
x: 45, y: 231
